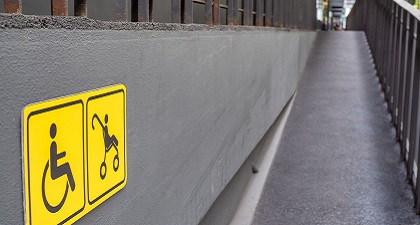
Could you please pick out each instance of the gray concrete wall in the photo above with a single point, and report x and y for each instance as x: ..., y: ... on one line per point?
x: 198, y: 102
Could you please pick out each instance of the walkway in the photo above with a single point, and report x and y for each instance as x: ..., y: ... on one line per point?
x: 338, y: 162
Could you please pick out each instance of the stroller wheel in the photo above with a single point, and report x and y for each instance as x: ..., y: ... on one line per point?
x: 102, y: 170
x: 116, y: 162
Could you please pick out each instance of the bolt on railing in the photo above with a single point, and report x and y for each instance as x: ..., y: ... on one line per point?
x: 391, y: 27
x: 297, y: 14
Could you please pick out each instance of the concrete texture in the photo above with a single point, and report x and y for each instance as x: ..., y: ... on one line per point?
x: 338, y: 161
x: 198, y: 102
x: 82, y: 23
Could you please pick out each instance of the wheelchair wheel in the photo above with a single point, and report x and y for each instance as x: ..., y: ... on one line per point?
x: 102, y: 170
x: 51, y: 208
x: 116, y: 162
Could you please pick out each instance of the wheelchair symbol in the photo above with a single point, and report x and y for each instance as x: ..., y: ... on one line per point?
x: 109, y: 142
x: 56, y: 172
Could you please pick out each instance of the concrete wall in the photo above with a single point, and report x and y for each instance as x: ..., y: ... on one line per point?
x: 199, y: 99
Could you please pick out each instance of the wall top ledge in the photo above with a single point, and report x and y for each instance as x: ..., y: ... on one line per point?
x: 20, y: 21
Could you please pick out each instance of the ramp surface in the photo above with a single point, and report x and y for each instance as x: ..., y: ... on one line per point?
x: 338, y: 161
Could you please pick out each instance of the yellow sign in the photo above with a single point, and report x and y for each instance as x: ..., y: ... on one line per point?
x: 105, y: 143
x: 74, y: 154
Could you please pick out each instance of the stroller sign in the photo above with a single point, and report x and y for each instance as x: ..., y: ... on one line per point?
x: 109, y: 142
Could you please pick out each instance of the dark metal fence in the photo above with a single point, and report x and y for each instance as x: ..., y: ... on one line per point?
x: 298, y: 14
x: 391, y: 27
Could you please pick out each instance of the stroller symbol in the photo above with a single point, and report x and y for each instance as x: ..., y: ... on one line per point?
x: 109, y: 141
x: 56, y: 172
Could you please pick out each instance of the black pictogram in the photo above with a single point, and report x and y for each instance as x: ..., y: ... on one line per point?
x: 56, y: 172
x: 109, y: 141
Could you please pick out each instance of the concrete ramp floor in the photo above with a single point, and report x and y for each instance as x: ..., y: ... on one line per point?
x: 338, y: 161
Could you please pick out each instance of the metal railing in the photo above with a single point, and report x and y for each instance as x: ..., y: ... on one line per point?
x: 297, y: 14
x: 391, y: 27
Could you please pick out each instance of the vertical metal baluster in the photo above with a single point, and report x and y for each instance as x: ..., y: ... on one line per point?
x: 273, y: 11
x: 230, y: 18
x: 12, y: 6
x: 275, y: 16
x: 188, y: 12
x: 246, y: 13
x: 383, y: 45
x: 151, y: 11
x: 288, y: 12
x: 402, y: 81
x: 416, y: 147
x: 59, y: 7
x: 268, y: 13
x: 285, y: 10
x: 412, y: 101
x: 80, y: 8
x: 278, y: 15
x: 388, y: 24
x: 407, y: 88
x: 415, y: 131
x: 209, y: 12
x: 390, y: 75
x: 259, y: 13
x: 394, y: 65
x: 302, y: 15
x: 294, y: 14
x: 144, y: 11
x: 121, y: 14
x: 304, y: 19
x: 216, y: 12
x: 236, y: 12
x: 251, y: 12
x: 398, y: 74
x: 140, y: 10
x: 282, y: 13
x: 176, y: 11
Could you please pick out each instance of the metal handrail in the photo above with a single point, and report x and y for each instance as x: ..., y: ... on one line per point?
x: 409, y: 8
x: 391, y: 28
x: 272, y: 13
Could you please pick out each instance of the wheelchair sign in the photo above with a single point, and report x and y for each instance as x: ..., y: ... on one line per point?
x: 74, y: 154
